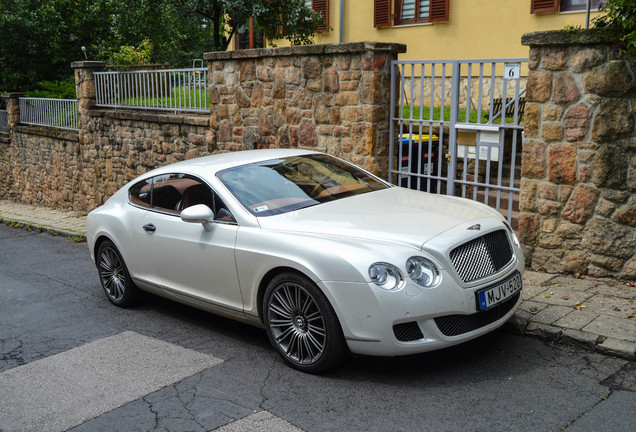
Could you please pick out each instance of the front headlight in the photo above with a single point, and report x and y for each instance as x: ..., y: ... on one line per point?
x: 422, y: 271
x: 513, y: 235
x: 386, y: 276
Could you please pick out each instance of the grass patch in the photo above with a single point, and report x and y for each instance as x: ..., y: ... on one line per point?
x: 425, y: 114
x: 179, y: 98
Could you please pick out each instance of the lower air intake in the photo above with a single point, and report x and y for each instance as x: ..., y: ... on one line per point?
x: 455, y: 325
x: 407, y: 332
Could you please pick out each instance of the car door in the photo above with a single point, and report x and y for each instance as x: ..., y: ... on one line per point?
x: 188, y: 259
x: 133, y: 244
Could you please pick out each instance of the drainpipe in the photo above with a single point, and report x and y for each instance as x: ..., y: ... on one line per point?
x: 340, y: 36
x: 587, y: 14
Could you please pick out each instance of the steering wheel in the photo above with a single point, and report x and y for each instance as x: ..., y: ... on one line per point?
x: 316, y: 191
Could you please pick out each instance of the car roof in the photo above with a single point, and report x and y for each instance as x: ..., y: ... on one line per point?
x: 210, y: 165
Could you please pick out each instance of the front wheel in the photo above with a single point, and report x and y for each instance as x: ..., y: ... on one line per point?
x: 114, y: 276
x: 301, y: 324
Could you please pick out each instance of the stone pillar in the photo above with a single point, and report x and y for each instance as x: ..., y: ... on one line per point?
x: 578, y: 203
x: 85, y: 87
x: 12, y: 101
x: 334, y: 98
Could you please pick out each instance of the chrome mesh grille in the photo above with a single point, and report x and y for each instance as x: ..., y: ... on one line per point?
x: 482, y: 256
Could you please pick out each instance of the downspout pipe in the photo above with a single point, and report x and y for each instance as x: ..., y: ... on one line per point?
x: 340, y: 36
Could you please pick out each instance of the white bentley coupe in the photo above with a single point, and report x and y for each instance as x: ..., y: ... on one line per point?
x: 328, y: 258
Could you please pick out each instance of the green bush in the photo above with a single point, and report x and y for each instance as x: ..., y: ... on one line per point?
x: 620, y: 16
x: 129, y: 55
x: 55, y: 89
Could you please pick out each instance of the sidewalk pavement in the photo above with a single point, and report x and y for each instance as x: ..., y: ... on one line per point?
x: 595, y: 314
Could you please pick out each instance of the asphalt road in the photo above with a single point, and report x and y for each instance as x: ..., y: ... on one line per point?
x: 69, y: 360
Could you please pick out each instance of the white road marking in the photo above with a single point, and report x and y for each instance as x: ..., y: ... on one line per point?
x: 69, y: 388
x: 262, y: 421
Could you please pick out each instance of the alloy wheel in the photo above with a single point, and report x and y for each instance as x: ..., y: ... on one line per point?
x: 296, y: 323
x: 112, y: 274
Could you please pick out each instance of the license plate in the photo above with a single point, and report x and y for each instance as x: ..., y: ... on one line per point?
x: 493, y: 295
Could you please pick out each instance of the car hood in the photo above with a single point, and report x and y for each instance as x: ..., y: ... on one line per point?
x: 396, y: 215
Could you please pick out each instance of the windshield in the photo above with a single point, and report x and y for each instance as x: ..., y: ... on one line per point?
x: 282, y: 185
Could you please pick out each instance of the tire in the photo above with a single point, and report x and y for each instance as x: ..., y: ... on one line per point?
x: 114, y: 276
x: 301, y: 324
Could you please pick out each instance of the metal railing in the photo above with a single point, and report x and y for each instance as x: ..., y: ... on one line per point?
x: 59, y: 113
x: 4, y: 121
x: 169, y: 89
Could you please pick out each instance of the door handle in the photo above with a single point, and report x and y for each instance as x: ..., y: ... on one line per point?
x: 150, y: 228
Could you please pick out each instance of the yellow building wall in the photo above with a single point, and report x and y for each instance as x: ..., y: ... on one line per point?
x: 476, y: 29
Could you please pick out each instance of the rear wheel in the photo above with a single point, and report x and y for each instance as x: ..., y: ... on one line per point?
x: 114, y: 276
x: 302, y: 325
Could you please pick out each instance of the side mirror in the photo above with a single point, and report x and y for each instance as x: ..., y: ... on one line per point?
x: 199, y: 213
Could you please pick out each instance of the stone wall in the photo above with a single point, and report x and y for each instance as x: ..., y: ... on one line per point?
x: 578, y: 207
x: 333, y: 98
x: 118, y: 145
x: 79, y: 170
x: 49, y: 176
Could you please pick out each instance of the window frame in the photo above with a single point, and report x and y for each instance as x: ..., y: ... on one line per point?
x: 544, y: 6
x: 386, y: 13
x: 216, y: 199
x: 398, y: 21
x: 581, y: 8
x: 322, y: 7
x: 252, y: 36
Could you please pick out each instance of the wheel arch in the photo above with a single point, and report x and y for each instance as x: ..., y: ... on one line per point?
x: 266, y: 279
x: 98, y: 242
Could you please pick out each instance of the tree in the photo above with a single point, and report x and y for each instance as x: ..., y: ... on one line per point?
x: 41, y: 38
x: 620, y: 16
x: 277, y: 19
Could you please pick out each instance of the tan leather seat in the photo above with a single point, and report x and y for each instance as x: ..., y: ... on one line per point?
x: 197, y: 194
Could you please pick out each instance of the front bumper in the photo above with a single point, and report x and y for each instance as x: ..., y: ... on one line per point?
x: 415, y: 319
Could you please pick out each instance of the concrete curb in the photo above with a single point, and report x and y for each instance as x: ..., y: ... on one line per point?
x: 75, y: 236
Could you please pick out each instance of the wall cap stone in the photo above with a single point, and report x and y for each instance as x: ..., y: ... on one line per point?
x: 88, y: 64
x: 570, y: 37
x: 153, y: 116
x: 305, y: 50
x: 13, y: 95
x: 64, y: 134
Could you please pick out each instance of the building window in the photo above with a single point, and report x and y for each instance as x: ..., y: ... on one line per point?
x: 409, y: 12
x: 580, y: 5
x: 322, y: 7
x: 412, y: 11
x: 548, y: 6
x: 248, y: 36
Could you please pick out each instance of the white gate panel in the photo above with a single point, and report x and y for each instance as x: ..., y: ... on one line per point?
x: 455, y: 128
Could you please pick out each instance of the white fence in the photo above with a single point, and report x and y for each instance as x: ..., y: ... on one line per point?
x: 170, y: 89
x: 60, y: 113
x: 4, y: 121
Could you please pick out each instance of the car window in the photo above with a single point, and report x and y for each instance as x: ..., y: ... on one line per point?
x: 139, y: 193
x: 171, y: 193
x: 282, y: 185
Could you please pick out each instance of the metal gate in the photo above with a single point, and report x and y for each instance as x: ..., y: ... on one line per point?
x: 455, y: 128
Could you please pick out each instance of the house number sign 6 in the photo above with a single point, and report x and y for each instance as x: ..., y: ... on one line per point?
x: 512, y: 70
